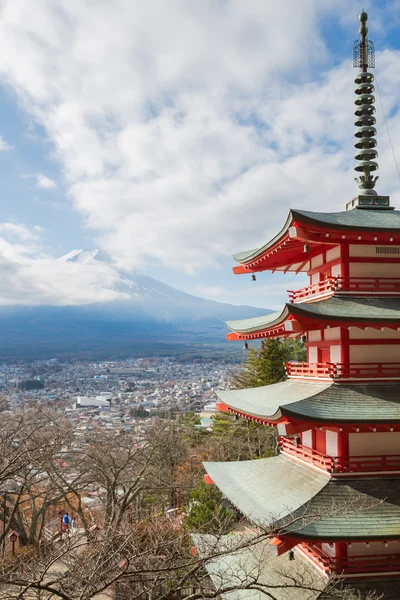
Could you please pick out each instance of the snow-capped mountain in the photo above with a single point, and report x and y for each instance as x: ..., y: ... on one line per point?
x: 146, y: 314
x: 161, y: 301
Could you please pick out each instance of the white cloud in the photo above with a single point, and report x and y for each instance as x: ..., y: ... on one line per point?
x: 4, y: 145
x: 186, y: 130
x: 19, y: 232
x: 36, y: 280
x: 44, y: 182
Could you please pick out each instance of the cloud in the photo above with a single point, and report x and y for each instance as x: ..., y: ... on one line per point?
x: 4, y: 145
x: 185, y: 131
x: 20, y: 232
x: 31, y: 277
x: 42, y: 280
x: 45, y: 183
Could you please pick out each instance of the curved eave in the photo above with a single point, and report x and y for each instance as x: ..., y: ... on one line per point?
x: 266, y: 489
x: 307, y: 504
x: 248, y: 256
x: 334, y: 311
x: 268, y: 403
x: 256, y: 324
x: 285, y: 250
x: 329, y: 403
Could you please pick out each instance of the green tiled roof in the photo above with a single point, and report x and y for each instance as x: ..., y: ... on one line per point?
x: 320, y: 402
x: 335, y: 308
x: 359, y: 508
x: 266, y: 401
x: 238, y: 568
x: 276, y: 490
x: 378, y: 220
x: 359, y: 219
x: 242, y: 566
x: 266, y: 489
x: 352, y: 309
x: 257, y: 323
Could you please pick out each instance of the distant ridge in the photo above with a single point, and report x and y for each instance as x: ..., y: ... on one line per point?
x: 151, y: 316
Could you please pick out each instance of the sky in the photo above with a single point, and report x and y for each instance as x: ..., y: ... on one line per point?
x: 173, y: 134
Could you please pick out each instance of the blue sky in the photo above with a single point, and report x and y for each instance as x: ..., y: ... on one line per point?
x: 171, y: 135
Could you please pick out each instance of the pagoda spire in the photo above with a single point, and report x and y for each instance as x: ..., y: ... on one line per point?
x: 364, y: 58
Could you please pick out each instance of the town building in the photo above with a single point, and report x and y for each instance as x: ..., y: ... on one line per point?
x: 334, y: 488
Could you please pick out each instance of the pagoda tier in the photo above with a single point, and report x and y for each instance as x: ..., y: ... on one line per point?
x: 321, y: 232
x: 351, y: 406
x: 332, y: 312
x: 305, y: 504
x: 341, y: 525
x: 237, y: 565
x: 346, y: 429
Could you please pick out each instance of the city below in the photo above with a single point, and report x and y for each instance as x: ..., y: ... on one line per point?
x: 114, y: 395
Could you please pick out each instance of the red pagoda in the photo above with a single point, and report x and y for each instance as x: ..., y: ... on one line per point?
x: 338, y: 414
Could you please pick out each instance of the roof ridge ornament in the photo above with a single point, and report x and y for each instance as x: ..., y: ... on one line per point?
x: 364, y: 59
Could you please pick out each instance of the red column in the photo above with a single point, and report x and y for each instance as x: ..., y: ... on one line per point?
x: 344, y: 255
x: 345, y: 346
x: 343, y: 444
x: 341, y: 555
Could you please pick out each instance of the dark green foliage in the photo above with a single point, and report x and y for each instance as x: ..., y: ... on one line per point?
x: 239, y: 439
x: 31, y: 384
x: 207, y: 512
x: 266, y: 365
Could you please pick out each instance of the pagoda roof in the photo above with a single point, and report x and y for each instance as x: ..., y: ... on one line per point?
x: 331, y: 310
x: 318, y: 402
x: 375, y: 219
x: 242, y: 566
x: 279, y: 492
x: 267, y: 489
x: 238, y: 566
x: 286, y: 248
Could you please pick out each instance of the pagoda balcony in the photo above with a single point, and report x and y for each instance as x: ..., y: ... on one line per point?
x: 343, y: 371
x: 358, y: 286
x: 350, y: 565
x: 340, y: 464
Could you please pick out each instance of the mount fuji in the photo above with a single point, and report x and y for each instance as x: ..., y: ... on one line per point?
x: 147, y: 314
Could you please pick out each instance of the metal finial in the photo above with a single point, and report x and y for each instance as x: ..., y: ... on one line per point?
x: 364, y: 58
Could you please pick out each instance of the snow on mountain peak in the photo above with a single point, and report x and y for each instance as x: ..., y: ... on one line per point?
x: 80, y: 256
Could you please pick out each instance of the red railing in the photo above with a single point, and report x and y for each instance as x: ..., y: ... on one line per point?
x: 304, y: 369
x: 364, y: 563
x: 340, y: 464
x: 307, y: 454
x: 343, y: 370
x: 387, y: 286
x: 325, y: 287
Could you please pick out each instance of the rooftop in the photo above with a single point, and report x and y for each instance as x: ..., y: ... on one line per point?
x: 321, y: 402
x: 279, y: 492
x: 331, y: 310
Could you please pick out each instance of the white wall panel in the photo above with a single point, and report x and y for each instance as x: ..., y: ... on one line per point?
x: 313, y: 354
x: 336, y: 352
x: 333, y: 253
x: 370, y: 444
x: 374, y: 269
x: 333, y: 333
x: 331, y: 443
x: 376, y: 353
x: 307, y: 438
x: 314, y: 336
x: 317, y: 261
x: 374, y: 334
